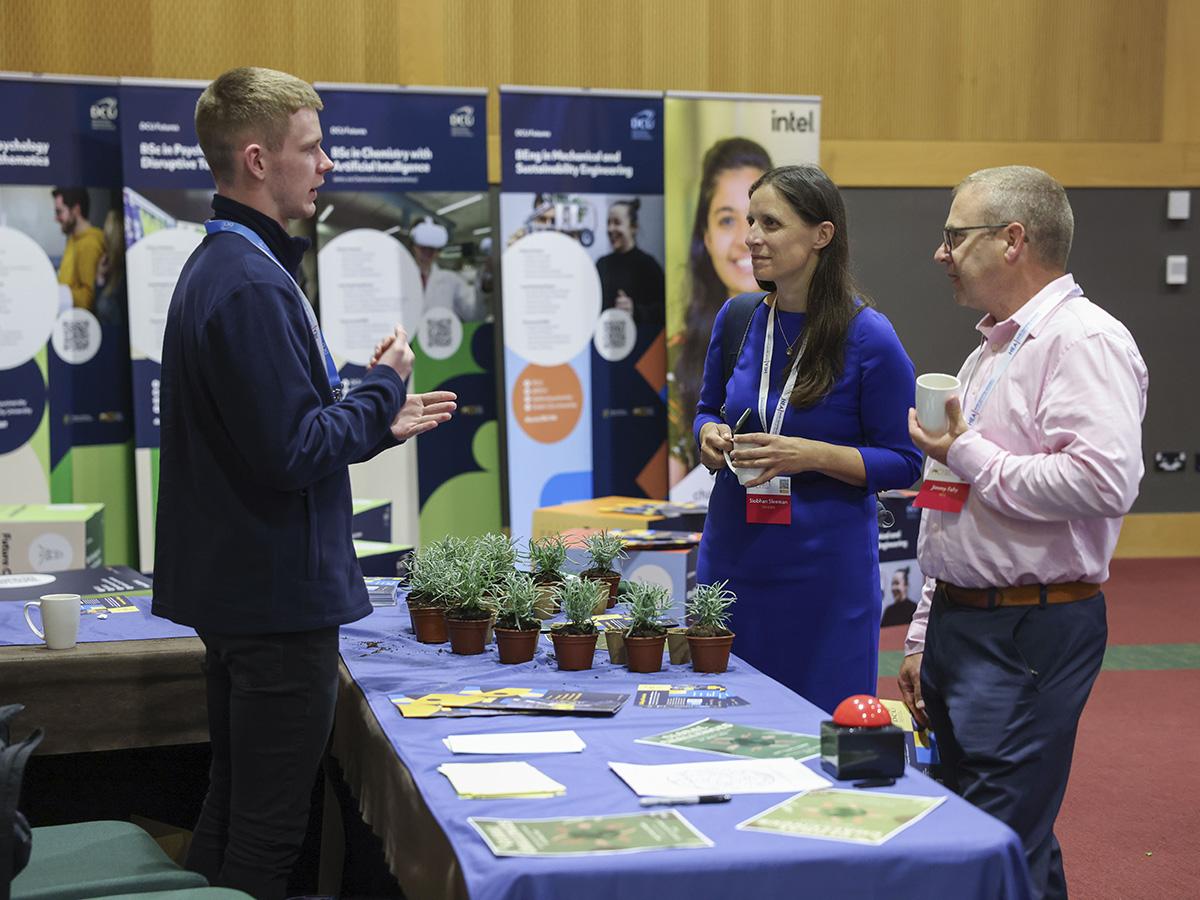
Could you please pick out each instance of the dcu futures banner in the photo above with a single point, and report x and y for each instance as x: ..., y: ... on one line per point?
x: 718, y: 145
x: 167, y: 197
x: 403, y: 231
x: 584, y: 355
x: 65, y: 419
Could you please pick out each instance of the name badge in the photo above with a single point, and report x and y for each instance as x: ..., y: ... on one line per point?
x: 770, y: 503
x: 942, y: 490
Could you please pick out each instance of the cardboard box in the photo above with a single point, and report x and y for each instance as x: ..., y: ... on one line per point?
x: 51, y: 537
x: 371, y: 520
x: 618, y: 512
x: 381, y: 559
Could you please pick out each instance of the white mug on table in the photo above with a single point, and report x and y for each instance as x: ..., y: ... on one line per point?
x: 933, y: 390
x: 60, y: 619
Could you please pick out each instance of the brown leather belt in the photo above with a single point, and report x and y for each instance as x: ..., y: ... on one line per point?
x: 1025, y: 595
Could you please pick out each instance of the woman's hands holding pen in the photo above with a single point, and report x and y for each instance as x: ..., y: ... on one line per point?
x: 716, y: 439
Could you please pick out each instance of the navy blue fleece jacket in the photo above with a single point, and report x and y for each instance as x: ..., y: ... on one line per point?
x: 253, y: 527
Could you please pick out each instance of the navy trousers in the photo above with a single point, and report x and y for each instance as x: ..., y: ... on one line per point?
x: 1004, y: 689
x: 270, y: 710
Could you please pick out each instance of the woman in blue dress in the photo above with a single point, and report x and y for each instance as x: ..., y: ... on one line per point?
x: 827, y: 427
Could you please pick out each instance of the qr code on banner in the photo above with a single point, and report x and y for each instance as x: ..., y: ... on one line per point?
x: 76, y: 335
x: 439, y: 332
x: 616, y: 332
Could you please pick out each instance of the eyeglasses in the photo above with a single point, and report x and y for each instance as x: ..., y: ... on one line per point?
x: 952, y: 237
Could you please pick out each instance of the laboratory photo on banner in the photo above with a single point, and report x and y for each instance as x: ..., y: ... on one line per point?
x: 423, y: 259
x: 622, y: 236
x: 606, y: 253
x: 717, y: 146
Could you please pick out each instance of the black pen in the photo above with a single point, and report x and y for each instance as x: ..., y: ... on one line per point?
x: 737, y: 429
x: 684, y: 801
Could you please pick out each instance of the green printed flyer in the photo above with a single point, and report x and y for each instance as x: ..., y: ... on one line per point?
x: 589, y: 835
x: 855, y: 817
x: 729, y: 739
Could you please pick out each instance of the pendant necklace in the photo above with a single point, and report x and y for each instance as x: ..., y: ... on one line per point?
x: 791, y: 345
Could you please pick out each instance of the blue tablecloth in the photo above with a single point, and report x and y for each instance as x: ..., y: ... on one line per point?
x: 126, y: 626
x: 956, y: 851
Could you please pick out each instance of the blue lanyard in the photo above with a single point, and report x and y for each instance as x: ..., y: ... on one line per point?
x: 215, y: 226
x: 1014, y: 346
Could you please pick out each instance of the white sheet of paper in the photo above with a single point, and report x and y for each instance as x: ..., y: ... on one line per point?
x: 735, y: 776
x: 522, y: 742
x: 501, y: 779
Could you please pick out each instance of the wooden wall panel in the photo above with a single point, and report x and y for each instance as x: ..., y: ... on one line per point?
x: 938, y: 79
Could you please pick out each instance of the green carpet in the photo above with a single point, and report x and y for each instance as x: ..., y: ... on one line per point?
x: 1118, y: 658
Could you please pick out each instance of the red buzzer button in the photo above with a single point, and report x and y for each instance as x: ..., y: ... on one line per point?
x: 861, y: 711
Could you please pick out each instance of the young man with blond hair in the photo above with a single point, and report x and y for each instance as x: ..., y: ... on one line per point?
x: 253, y: 545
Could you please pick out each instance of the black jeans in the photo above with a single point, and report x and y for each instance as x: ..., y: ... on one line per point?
x: 270, y: 710
x: 1004, y: 689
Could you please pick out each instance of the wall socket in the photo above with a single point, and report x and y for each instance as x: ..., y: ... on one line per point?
x: 1177, y: 266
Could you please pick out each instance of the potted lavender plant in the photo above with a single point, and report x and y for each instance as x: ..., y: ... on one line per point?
x: 709, y: 637
x: 517, y: 624
x: 575, y: 641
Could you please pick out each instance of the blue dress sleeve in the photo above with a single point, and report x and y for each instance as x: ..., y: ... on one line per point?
x: 712, y: 385
x: 888, y: 390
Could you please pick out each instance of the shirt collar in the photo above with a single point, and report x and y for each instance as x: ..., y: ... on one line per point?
x: 999, y: 333
x: 287, y: 249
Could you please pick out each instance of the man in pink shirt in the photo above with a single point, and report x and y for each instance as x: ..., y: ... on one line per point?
x: 1046, y: 445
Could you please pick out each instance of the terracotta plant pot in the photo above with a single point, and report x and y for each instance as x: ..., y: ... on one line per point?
x: 516, y: 646
x: 429, y: 624
x: 468, y: 636
x: 678, y: 650
x: 546, y: 605
x: 574, y: 651
x: 645, y: 653
x: 710, y: 654
x: 615, y: 642
x: 611, y: 579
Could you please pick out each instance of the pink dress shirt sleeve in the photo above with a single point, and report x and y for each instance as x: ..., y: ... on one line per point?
x: 914, y: 642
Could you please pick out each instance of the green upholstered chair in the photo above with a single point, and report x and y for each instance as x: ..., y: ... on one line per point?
x: 97, y: 859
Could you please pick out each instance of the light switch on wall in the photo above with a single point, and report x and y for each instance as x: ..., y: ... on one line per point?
x: 1179, y: 205
x: 1177, y: 267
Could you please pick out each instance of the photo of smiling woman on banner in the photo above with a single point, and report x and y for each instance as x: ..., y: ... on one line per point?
x: 717, y: 144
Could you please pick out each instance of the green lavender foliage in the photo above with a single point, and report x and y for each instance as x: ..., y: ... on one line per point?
x: 708, y: 607
x: 514, y: 605
x: 604, y: 547
x: 548, y: 554
x: 647, y: 605
x: 578, y: 597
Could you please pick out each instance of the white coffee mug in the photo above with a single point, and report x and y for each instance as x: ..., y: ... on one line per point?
x: 60, y: 619
x: 933, y: 390
x: 744, y: 473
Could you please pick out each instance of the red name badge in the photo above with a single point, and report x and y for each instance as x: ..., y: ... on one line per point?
x: 942, y: 490
x: 770, y: 503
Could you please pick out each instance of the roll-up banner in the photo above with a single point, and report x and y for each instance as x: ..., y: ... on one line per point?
x: 168, y: 196
x: 65, y: 418
x: 581, y: 215
x: 717, y: 145
x: 404, y: 236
